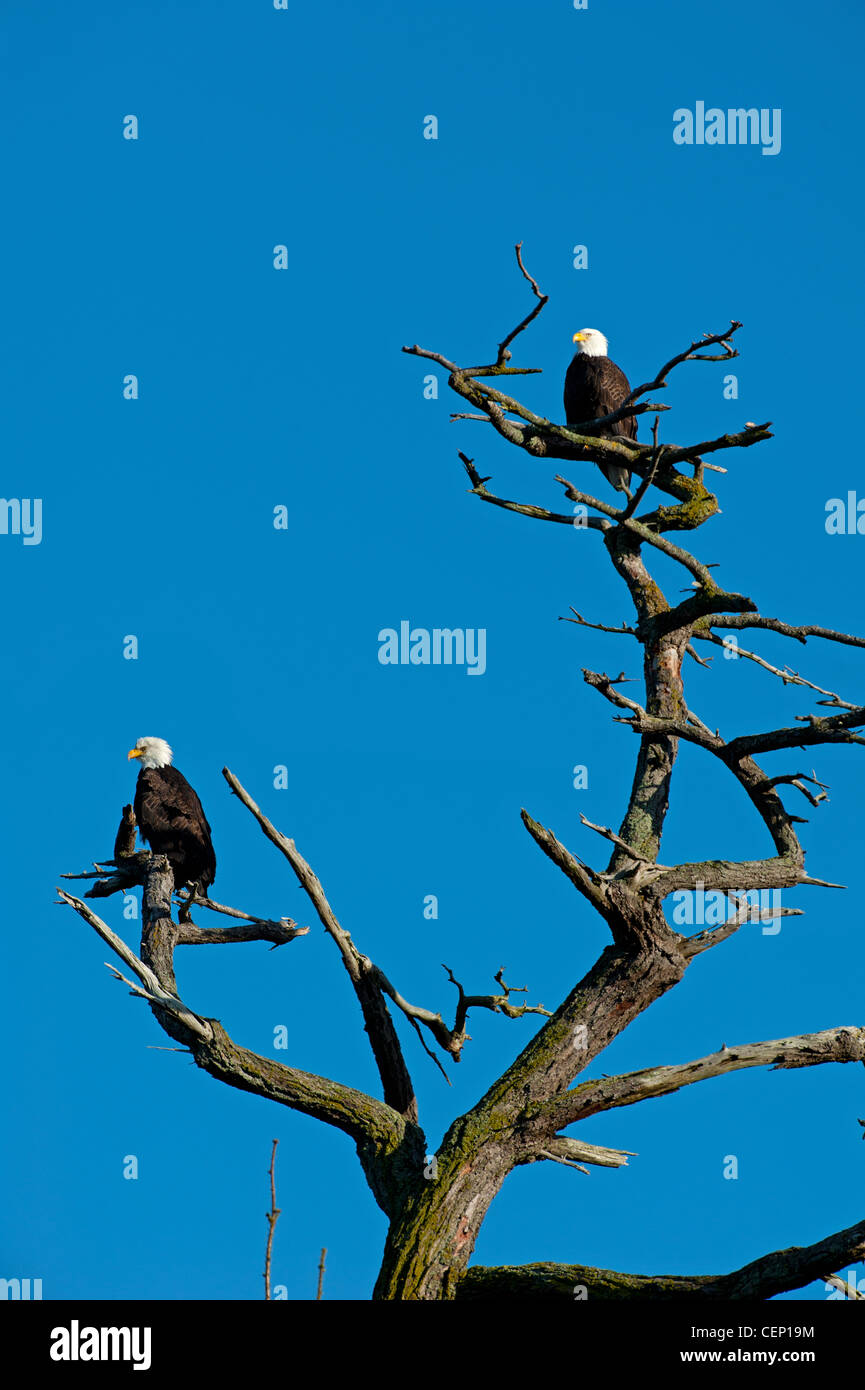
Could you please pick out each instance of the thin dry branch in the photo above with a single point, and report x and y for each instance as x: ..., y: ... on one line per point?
x: 376, y: 1127
x: 271, y: 1217
x: 744, y: 913
x: 843, y: 1044
x: 800, y: 632
x: 608, y: 834
x: 834, y: 728
x: 565, y: 1162
x: 369, y: 979
x: 786, y: 674
x: 394, y: 1073
x: 586, y: 880
x: 641, y: 491
x: 598, y: 627
x: 624, y: 412
x: 150, y: 989
x: 256, y: 928
x: 798, y: 779
x: 523, y: 508
x: 564, y: 1149
x: 742, y: 439
x: 451, y: 1040
x: 691, y: 355
x: 503, y: 355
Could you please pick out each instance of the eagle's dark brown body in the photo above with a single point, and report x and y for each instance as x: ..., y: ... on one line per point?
x: 171, y: 820
x: 595, y: 386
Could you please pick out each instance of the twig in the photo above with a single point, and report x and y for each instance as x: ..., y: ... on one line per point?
x: 451, y: 1040
x: 796, y: 779
x: 649, y: 478
x: 523, y: 508
x: 623, y: 412
x: 746, y: 912
x: 800, y: 632
x: 691, y: 355
x: 843, y: 1044
x: 598, y: 627
x: 566, y: 1162
x: 150, y: 989
x: 503, y: 354
x: 392, y: 1068
x: 578, y: 1151
x: 617, y: 840
x: 786, y: 674
x: 271, y: 1217
x: 369, y: 979
x: 743, y: 439
x: 319, y: 1293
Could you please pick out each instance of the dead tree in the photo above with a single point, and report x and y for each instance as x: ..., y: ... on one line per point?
x: 435, y: 1210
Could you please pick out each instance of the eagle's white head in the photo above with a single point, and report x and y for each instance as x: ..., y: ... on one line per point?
x: 153, y: 752
x: 591, y: 342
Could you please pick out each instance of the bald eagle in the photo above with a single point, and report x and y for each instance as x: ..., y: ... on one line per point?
x: 595, y: 386
x: 170, y: 818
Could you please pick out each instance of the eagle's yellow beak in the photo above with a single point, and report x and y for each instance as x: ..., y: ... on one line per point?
x: 133, y: 753
x: 577, y: 338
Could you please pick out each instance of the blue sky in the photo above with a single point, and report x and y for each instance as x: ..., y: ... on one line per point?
x: 258, y: 647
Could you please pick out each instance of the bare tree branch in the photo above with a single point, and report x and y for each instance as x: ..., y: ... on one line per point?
x: 452, y: 1039
x: 833, y: 728
x: 770, y: 1275
x: 786, y: 674
x: 278, y: 932
x: 799, y: 632
x: 152, y: 988
x: 631, y: 853
x: 256, y: 928
x: 598, y: 627
x: 272, y: 1217
x: 371, y: 982
x: 523, y: 508
x: 691, y: 355
x: 396, y: 1081
x: 503, y: 355
x: 574, y: 1151
x: 378, y: 1130
x: 844, y: 1044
